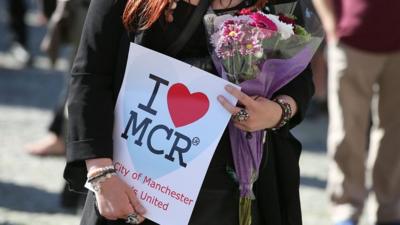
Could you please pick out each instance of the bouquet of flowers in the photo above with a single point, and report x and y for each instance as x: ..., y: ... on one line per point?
x: 261, y: 53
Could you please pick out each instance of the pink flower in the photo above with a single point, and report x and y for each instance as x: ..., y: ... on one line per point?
x: 227, y: 22
x: 262, y: 21
x: 232, y: 31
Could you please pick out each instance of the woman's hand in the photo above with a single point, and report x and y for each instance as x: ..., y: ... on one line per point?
x: 263, y: 113
x: 115, y: 200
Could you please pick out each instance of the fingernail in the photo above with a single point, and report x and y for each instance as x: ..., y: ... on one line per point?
x: 229, y: 87
x: 220, y: 98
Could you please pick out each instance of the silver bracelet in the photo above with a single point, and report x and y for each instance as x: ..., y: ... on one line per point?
x: 286, y: 113
x: 98, y: 171
x: 96, y: 183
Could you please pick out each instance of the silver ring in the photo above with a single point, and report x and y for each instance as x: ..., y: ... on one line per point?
x: 132, y: 219
x: 242, y: 115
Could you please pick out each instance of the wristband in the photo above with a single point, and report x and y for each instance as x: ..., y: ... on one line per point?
x: 286, y: 113
x: 99, y: 175
x: 95, y: 183
x: 105, y: 173
x: 98, y: 171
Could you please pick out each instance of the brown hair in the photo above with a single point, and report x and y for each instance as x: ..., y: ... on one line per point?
x: 150, y: 10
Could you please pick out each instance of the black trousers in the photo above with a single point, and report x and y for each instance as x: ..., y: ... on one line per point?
x: 17, y: 9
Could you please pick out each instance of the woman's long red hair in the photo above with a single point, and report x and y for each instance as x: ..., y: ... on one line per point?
x: 150, y: 10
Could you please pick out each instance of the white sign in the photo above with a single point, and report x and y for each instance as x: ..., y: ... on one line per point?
x: 168, y: 123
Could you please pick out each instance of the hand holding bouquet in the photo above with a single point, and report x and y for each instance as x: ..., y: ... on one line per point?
x: 261, y: 53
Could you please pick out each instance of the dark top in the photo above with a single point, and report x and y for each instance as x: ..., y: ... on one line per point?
x: 97, y: 75
x: 370, y: 25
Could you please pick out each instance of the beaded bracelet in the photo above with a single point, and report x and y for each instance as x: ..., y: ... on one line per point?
x: 99, y: 175
x: 103, y: 174
x: 95, y: 183
x: 286, y: 113
x: 98, y: 171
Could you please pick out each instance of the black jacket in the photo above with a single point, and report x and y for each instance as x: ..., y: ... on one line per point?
x: 95, y: 81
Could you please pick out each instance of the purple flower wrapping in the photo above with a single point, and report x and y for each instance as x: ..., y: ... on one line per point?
x: 247, y: 152
x: 260, y: 53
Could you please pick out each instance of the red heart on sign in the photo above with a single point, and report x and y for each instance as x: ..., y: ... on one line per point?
x: 186, y: 108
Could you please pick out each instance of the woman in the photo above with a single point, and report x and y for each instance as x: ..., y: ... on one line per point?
x: 96, y: 78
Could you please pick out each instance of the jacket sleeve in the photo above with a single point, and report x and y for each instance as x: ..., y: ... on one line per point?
x: 301, y: 89
x: 91, y: 100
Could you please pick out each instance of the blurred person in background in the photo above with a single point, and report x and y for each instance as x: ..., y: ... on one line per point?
x: 18, y: 52
x: 363, y: 61
x: 19, y: 48
x: 64, y: 28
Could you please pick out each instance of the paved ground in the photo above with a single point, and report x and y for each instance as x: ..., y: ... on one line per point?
x: 30, y: 186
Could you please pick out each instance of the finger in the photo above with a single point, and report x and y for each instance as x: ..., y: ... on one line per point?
x: 135, y: 203
x: 141, y: 219
x: 257, y: 98
x: 240, y: 126
x: 227, y: 105
x: 134, y: 218
x: 239, y: 95
x: 131, y: 211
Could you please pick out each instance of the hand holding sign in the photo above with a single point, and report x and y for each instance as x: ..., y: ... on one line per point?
x: 115, y: 199
x: 168, y: 124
